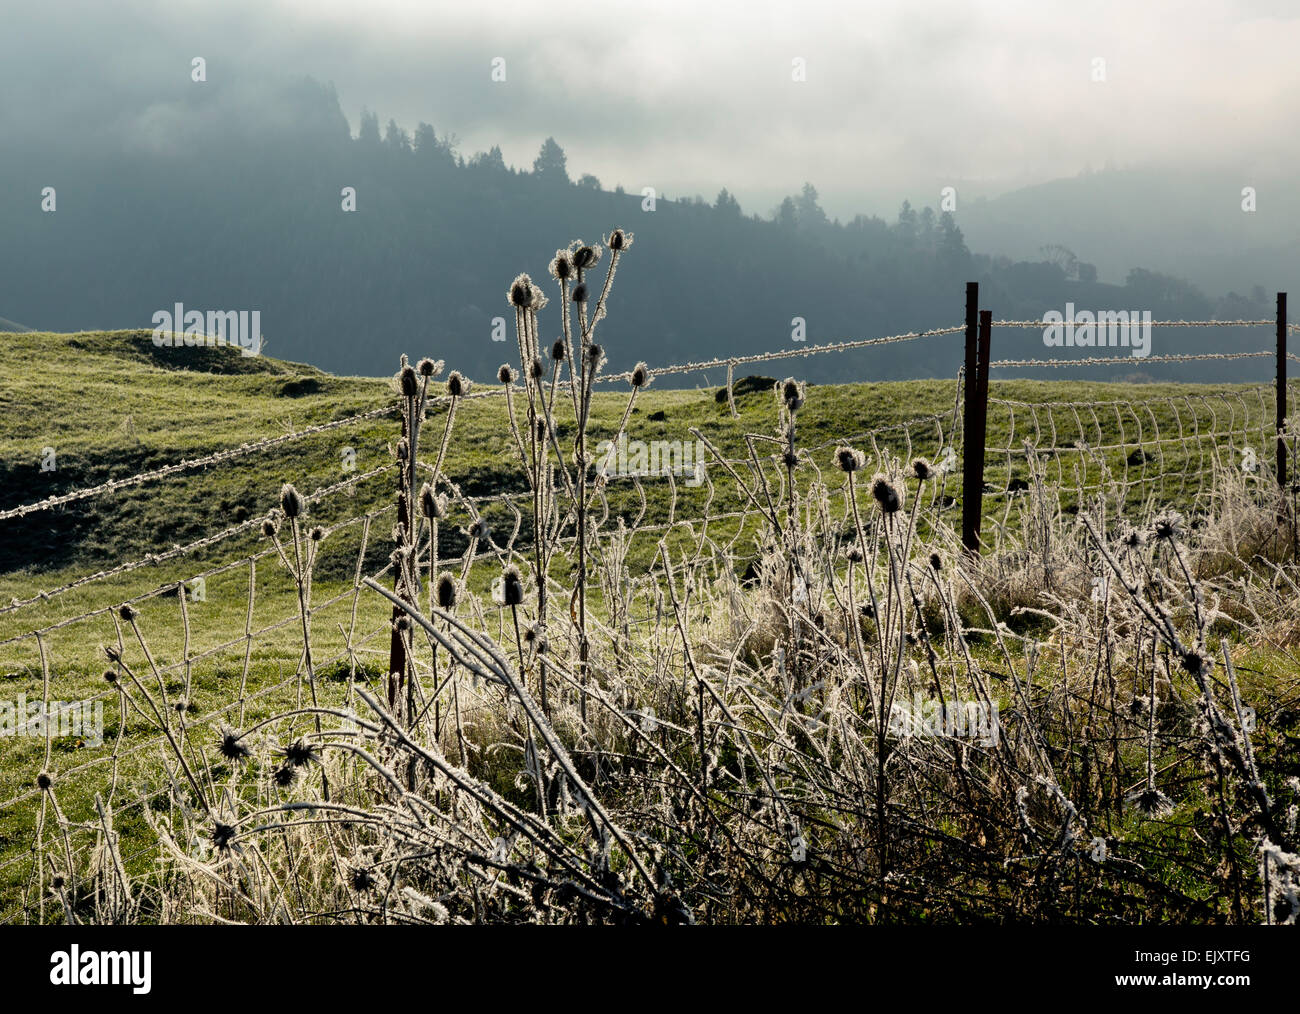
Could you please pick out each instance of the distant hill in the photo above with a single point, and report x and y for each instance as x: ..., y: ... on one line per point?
x: 10, y: 326
x: 244, y: 214
x: 1183, y: 223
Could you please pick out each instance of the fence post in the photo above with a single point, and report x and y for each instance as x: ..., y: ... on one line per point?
x: 1281, y: 390
x: 396, y: 640
x: 971, y: 473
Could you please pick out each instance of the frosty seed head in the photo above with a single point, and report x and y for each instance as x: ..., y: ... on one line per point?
x: 886, y: 494
x: 290, y: 501
x: 849, y: 460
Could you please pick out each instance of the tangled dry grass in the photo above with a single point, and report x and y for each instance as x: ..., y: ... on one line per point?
x: 867, y: 725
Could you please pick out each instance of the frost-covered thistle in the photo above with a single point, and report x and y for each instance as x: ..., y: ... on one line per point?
x: 457, y: 385
x: 1132, y: 538
x: 886, y: 494
x: 618, y: 240
x: 300, y: 753
x: 1151, y: 802
x: 579, y: 294
x: 922, y: 470
x: 446, y: 592
x: 520, y: 293
x: 505, y: 374
x: 410, y: 383
x: 433, y: 505
x: 509, y: 589
x: 230, y: 747
x: 428, y: 368
x: 1197, y: 663
x: 640, y: 375
x: 290, y: 501
x: 561, y: 268
x: 792, y: 393
x: 222, y: 836
x: 128, y: 612
x: 1168, y: 526
x: 557, y: 350
x: 585, y: 257
x: 849, y: 460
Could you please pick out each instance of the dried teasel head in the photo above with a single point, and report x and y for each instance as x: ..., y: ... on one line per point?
x: 509, y: 591
x: 792, y: 394
x: 585, y: 257
x: 849, y: 460
x: 557, y: 350
x: 618, y: 240
x: 886, y: 494
x: 579, y: 293
x: 561, y: 267
x: 300, y: 753
x: 640, y: 375
x: 505, y: 374
x: 229, y: 745
x: 520, y: 293
x: 1197, y: 663
x: 447, y: 592
x: 290, y: 501
x: 410, y: 383
x: 222, y: 835
x: 457, y: 385
x: 428, y: 368
x: 432, y: 504
x: 922, y: 469
x: 1167, y: 526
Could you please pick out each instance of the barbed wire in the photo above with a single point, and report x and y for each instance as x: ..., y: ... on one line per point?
x: 1145, y: 323
x: 150, y: 559
x: 186, y: 464
x: 763, y: 357
x: 1128, y: 360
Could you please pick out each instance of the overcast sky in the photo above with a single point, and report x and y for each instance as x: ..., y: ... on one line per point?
x: 901, y: 96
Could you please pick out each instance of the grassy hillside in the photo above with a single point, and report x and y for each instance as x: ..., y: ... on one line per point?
x: 111, y: 405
